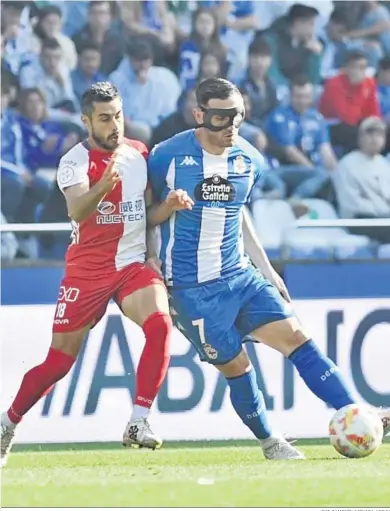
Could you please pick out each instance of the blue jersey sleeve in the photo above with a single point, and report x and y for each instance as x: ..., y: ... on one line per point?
x: 278, y: 128
x: 159, y: 161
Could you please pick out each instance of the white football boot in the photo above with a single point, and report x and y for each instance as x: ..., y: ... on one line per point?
x: 7, y: 439
x: 138, y: 433
x: 385, y: 416
x: 281, y: 449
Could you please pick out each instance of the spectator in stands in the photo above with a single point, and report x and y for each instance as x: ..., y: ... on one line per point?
x: 362, y: 180
x: 351, y: 11
x: 238, y: 23
x: 204, y: 38
x: 248, y: 129
x: 149, y: 92
x: 8, y: 76
x: 210, y: 66
x: 153, y: 21
x: 383, y: 88
x: 348, y: 98
x: 302, y: 132
x: 49, y: 74
x: 335, y: 44
x: 17, y: 39
x: 257, y: 85
x: 44, y: 140
x: 295, y: 50
x: 98, y: 30
x: 87, y: 71
x: 49, y: 26
x: 373, y: 29
x: 75, y: 15
x: 14, y: 174
x: 181, y: 120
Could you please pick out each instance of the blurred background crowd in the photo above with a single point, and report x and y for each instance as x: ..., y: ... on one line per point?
x: 315, y: 77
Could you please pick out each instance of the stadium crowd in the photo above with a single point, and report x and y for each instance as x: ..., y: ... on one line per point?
x: 315, y: 77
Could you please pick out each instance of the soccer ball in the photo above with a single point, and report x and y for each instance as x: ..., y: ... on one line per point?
x: 356, y: 431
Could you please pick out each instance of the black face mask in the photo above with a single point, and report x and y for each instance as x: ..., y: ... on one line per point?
x: 234, y: 117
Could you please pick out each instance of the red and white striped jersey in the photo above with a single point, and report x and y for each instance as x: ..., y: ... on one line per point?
x: 114, y: 236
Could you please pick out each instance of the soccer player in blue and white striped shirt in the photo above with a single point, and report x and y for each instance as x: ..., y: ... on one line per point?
x: 218, y: 298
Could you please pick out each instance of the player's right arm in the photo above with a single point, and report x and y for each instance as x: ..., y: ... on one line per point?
x: 167, y: 200
x: 81, y: 200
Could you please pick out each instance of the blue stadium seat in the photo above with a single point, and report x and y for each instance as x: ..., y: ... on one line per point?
x: 384, y: 251
x: 354, y: 250
x: 271, y: 219
x: 309, y: 253
x: 343, y: 244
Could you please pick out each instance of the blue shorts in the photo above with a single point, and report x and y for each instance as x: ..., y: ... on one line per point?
x: 216, y: 317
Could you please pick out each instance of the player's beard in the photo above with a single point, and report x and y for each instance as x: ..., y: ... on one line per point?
x: 109, y: 144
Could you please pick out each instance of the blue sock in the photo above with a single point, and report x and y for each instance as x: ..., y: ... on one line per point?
x: 321, y: 375
x: 248, y: 402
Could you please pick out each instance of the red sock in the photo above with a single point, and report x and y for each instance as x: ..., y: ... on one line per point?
x: 154, y: 361
x: 38, y: 382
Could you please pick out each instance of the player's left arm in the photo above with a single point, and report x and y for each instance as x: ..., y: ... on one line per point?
x: 258, y: 256
x: 252, y: 243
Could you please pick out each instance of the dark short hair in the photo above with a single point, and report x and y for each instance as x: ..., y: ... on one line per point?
x: 260, y: 47
x: 354, y: 56
x: 100, y: 92
x: 50, y: 44
x: 139, y: 48
x: 301, y: 11
x: 338, y: 17
x: 384, y: 64
x: 300, y: 81
x: 214, y: 88
x: 24, y: 94
x: 49, y: 9
x: 15, y: 5
x: 94, y: 3
x: 88, y: 45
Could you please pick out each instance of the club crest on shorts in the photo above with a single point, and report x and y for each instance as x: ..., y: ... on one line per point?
x: 239, y: 165
x: 210, y: 351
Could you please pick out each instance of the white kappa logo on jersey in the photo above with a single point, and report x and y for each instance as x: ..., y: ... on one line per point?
x: 188, y: 160
x: 65, y: 175
x: 93, y: 166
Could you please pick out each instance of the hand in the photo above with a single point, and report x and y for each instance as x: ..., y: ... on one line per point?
x: 278, y: 282
x: 50, y: 143
x: 179, y: 199
x: 110, y: 176
x: 314, y: 46
x: 155, y: 264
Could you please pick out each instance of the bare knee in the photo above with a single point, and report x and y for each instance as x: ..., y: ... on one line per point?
x: 69, y: 342
x: 285, y: 336
x: 236, y: 367
x: 141, y: 304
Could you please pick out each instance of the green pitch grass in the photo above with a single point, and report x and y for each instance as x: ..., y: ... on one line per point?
x: 209, y: 475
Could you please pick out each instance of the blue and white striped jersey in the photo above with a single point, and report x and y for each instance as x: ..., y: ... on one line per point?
x: 205, y: 243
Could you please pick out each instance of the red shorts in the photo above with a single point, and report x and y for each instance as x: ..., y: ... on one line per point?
x: 83, y: 300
